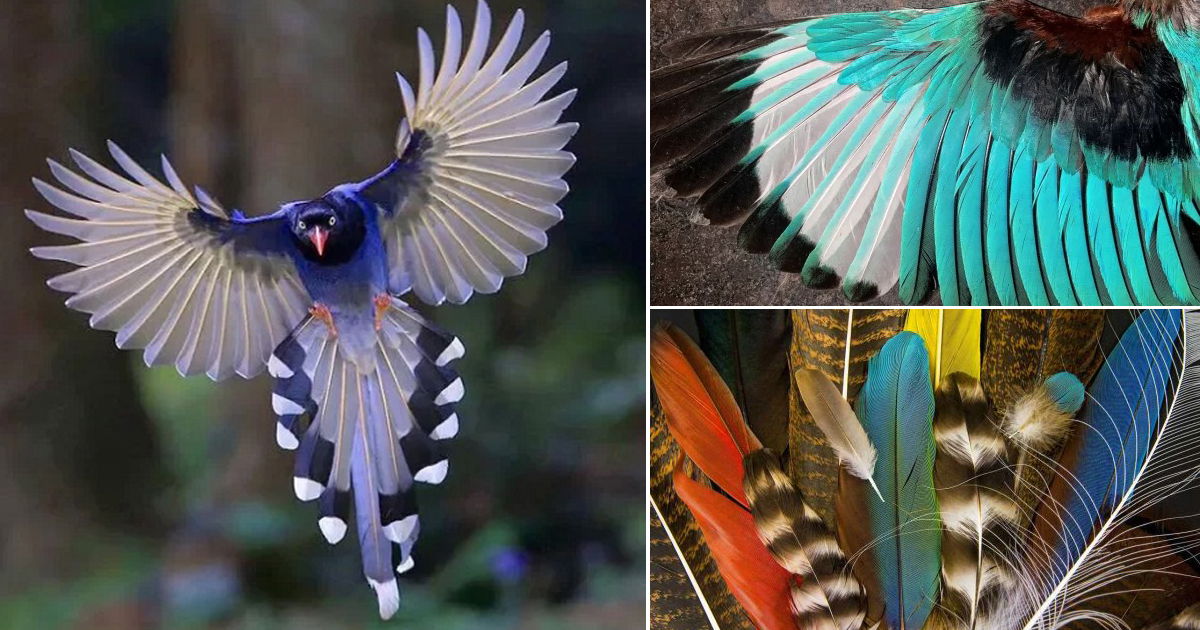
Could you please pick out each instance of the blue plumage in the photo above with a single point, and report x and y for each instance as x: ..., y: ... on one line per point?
x: 1117, y: 427
x: 895, y: 407
x: 364, y: 387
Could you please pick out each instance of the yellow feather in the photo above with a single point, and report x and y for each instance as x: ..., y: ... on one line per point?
x: 952, y: 338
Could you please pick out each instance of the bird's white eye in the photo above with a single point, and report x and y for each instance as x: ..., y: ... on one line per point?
x: 301, y: 224
x: 332, y: 220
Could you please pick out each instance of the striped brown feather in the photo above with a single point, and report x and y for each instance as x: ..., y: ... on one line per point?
x: 1025, y: 346
x: 828, y: 596
x: 978, y: 515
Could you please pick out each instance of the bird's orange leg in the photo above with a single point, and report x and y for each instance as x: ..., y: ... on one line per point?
x: 321, y: 312
x: 383, y: 302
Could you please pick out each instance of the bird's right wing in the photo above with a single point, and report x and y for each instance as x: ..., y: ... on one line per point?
x: 480, y: 165
x: 176, y: 276
x: 1005, y: 152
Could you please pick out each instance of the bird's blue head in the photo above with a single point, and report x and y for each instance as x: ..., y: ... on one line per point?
x: 326, y: 232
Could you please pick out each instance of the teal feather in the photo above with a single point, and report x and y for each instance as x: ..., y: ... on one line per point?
x: 970, y: 213
x: 1102, y: 238
x: 895, y: 407
x: 884, y: 140
x: 1075, y: 242
x: 999, y: 249
x: 1129, y: 240
x: 1049, y: 233
x: 897, y: 168
x: 1024, y: 230
x: 917, y: 230
x: 1178, y: 266
x: 945, y: 204
x: 1066, y: 391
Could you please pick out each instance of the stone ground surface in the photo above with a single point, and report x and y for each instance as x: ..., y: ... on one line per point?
x: 694, y: 264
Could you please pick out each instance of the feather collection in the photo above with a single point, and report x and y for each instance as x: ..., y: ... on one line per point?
x: 999, y: 497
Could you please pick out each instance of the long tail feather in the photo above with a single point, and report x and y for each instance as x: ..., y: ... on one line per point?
x: 374, y: 432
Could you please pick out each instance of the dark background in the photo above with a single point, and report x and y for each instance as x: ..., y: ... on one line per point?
x: 698, y: 265
x: 132, y: 498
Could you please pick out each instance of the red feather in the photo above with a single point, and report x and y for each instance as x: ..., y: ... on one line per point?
x: 701, y: 413
x: 757, y: 581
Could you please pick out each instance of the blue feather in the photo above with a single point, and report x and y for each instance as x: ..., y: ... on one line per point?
x: 970, y: 213
x: 1129, y: 230
x: 917, y: 229
x: 945, y: 204
x: 1075, y: 242
x: 895, y: 407
x: 1127, y: 398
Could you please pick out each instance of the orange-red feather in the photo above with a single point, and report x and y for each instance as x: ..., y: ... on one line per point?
x: 757, y: 581
x: 701, y: 413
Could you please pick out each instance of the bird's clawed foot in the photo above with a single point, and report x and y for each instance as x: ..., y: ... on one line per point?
x: 383, y: 302
x: 321, y: 312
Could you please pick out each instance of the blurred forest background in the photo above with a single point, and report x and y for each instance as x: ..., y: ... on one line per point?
x: 132, y: 498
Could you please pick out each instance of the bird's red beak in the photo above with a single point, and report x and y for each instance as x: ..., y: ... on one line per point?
x: 318, y: 236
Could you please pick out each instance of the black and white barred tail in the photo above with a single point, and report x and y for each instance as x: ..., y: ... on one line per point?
x: 364, y: 433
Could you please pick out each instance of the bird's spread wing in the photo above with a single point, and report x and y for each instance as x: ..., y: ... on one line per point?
x: 168, y: 273
x: 480, y: 165
x: 1005, y: 152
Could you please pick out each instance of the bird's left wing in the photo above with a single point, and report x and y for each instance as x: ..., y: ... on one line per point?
x: 170, y: 273
x: 480, y: 164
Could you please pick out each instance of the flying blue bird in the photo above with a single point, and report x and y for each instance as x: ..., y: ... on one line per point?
x: 365, y: 390
x: 998, y: 151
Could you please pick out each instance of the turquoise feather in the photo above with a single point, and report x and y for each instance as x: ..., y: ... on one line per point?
x: 1102, y: 238
x: 1129, y: 240
x: 1024, y: 230
x: 969, y: 241
x: 999, y: 249
x: 945, y: 205
x: 917, y: 229
x: 1070, y: 218
x: 895, y: 407
x: 1049, y: 234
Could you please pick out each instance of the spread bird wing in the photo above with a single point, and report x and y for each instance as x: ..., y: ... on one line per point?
x: 171, y: 272
x: 480, y: 165
x: 1005, y: 153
